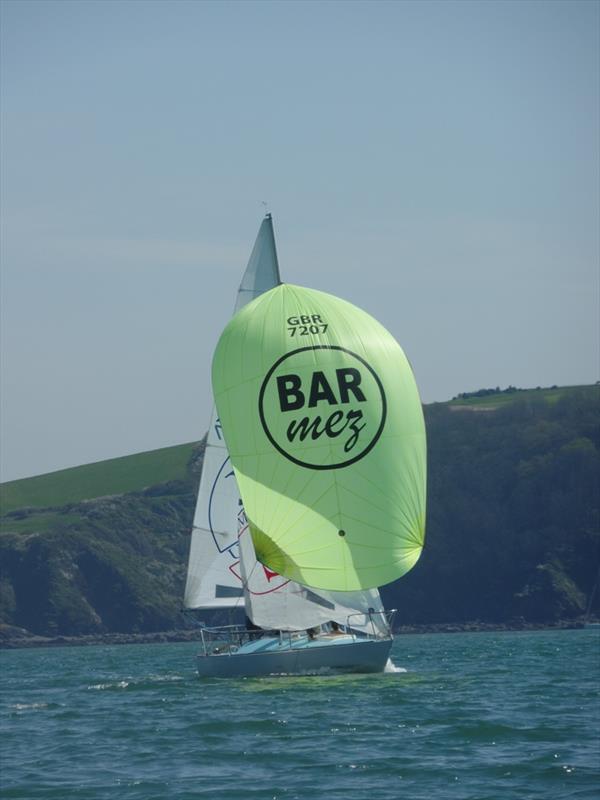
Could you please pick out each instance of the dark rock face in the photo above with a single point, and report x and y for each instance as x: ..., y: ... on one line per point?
x: 108, y: 565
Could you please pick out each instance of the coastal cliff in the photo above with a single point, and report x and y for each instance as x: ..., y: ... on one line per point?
x: 512, y: 530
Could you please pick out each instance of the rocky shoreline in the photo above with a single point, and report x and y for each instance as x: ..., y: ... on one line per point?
x: 16, y: 638
x: 12, y: 638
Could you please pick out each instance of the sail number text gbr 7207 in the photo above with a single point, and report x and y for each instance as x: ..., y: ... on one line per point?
x: 306, y: 324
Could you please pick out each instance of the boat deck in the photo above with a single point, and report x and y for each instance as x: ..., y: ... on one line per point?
x: 273, y: 644
x: 296, y: 654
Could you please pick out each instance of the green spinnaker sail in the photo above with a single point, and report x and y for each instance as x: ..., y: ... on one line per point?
x: 324, y: 426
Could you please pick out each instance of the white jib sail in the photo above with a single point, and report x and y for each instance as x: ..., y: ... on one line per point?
x: 211, y: 581
x: 274, y: 602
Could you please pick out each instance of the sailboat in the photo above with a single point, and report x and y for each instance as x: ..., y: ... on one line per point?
x: 312, y: 493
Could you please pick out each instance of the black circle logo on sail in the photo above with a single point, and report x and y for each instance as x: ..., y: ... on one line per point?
x: 358, y: 382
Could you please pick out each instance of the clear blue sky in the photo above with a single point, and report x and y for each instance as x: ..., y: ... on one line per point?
x: 436, y: 163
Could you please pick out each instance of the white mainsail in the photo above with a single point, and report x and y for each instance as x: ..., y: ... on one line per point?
x: 222, y: 568
x: 211, y: 583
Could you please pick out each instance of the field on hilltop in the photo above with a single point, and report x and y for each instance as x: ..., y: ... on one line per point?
x: 495, y: 398
x: 103, y: 478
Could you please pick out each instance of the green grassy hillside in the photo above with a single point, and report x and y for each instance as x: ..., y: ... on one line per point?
x: 490, y: 398
x: 115, y: 476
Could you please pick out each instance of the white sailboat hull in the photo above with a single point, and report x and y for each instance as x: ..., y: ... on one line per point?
x: 348, y: 656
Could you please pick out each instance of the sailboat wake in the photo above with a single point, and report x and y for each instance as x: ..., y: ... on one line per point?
x: 390, y: 667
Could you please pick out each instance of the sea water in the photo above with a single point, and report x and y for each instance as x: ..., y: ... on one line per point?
x: 472, y: 716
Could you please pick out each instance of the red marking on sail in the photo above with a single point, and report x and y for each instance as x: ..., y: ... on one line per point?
x: 269, y: 574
